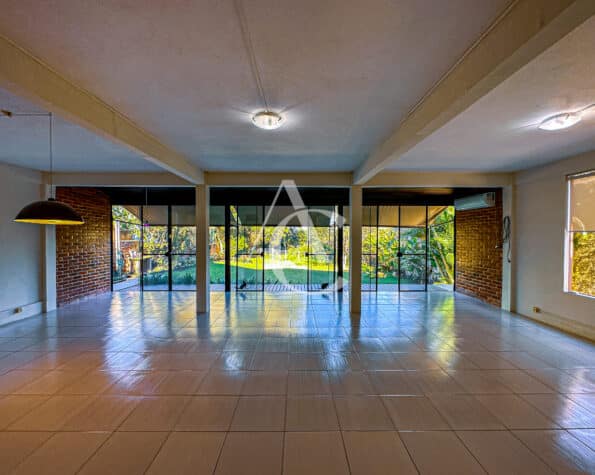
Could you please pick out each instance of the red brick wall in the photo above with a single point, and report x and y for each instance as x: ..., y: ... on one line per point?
x: 479, y: 253
x: 83, y: 256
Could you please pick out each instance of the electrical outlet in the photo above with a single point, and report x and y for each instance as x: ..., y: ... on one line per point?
x: 536, y: 310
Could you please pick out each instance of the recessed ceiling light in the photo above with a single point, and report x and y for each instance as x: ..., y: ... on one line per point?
x: 267, y: 120
x: 560, y: 121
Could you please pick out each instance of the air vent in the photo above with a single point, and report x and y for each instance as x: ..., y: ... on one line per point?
x: 485, y: 200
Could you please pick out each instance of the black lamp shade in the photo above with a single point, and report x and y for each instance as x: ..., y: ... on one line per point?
x: 49, y: 212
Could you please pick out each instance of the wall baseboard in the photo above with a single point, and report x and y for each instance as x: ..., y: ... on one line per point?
x: 11, y: 315
x: 564, y: 324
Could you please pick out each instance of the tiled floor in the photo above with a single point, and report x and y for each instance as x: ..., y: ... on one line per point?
x: 272, y: 383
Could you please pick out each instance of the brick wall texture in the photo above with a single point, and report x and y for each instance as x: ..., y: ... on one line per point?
x: 83, y: 256
x: 479, y: 252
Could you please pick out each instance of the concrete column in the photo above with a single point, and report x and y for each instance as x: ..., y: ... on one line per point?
x: 355, y: 250
x: 508, y: 268
x: 202, y: 249
x: 48, y: 264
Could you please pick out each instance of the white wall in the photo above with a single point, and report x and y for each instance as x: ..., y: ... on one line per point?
x: 21, y: 250
x: 540, y: 206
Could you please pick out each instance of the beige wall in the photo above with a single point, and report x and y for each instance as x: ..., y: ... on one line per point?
x: 21, y: 249
x: 540, y: 197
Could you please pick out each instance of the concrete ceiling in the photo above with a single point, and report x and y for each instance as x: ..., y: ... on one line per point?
x: 25, y: 143
x: 344, y: 72
x: 499, y: 132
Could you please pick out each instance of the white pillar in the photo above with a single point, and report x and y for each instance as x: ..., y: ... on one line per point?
x: 508, y: 268
x: 355, y: 250
x: 202, y: 249
x: 48, y: 252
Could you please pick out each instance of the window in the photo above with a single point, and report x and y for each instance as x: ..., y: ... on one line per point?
x: 580, y: 235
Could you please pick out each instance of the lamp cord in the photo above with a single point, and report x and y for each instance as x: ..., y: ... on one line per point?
x: 51, y: 141
x: 506, y: 236
x: 250, y: 51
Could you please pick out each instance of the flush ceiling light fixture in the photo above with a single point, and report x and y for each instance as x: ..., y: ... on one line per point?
x: 264, y: 119
x: 560, y: 121
x: 48, y: 211
x: 267, y: 120
x: 563, y: 120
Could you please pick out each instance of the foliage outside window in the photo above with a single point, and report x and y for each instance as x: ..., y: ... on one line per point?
x: 580, y: 234
x: 126, y: 231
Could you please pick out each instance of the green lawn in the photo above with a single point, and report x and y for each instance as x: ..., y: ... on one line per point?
x: 251, y: 274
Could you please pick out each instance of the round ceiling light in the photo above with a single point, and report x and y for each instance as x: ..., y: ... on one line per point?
x: 267, y: 120
x: 560, y: 121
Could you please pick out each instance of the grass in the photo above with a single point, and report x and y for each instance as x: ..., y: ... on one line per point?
x: 250, y: 273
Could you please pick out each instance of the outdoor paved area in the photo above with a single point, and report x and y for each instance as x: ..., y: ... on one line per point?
x: 269, y: 383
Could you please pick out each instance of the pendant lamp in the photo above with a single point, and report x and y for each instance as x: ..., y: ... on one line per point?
x: 49, y: 211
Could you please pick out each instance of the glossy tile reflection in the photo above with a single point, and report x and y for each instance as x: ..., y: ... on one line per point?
x: 271, y: 383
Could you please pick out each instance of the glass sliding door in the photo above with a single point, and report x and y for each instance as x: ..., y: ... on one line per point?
x: 126, y: 247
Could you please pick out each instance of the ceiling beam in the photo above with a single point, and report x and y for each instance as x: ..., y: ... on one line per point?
x: 116, y: 179
x: 25, y: 75
x: 388, y: 179
x: 275, y: 179
x: 519, y: 35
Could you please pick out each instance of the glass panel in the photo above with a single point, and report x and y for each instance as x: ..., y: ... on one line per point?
x: 128, y: 214
x: 369, y: 215
x: 345, y: 256
x: 413, y: 216
x: 582, y: 203
x: 155, y: 273
x: 413, y: 240
x: 250, y: 246
x: 183, y: 240
x: 440, y: 214
x: 346, y: 211
x: 217, y: 215
x: 249, y: 272
x: 441, y: 255
x: 322, y: 216
x: 155, y: 240
x: 286, y: 258
x: 321, y: 271
x: 368, y: 240
x: 413, y: 273
x: 283, y: 214
x: 217, y: 254
x: 126, y: 241
x: 369, y: 272
x: 388, y: 261
x: 582, y: 255
x: 155, y: 215
x: 183, y: 272
x: 183, y: 215
x: 250, y: 215
x: 388, y: 216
